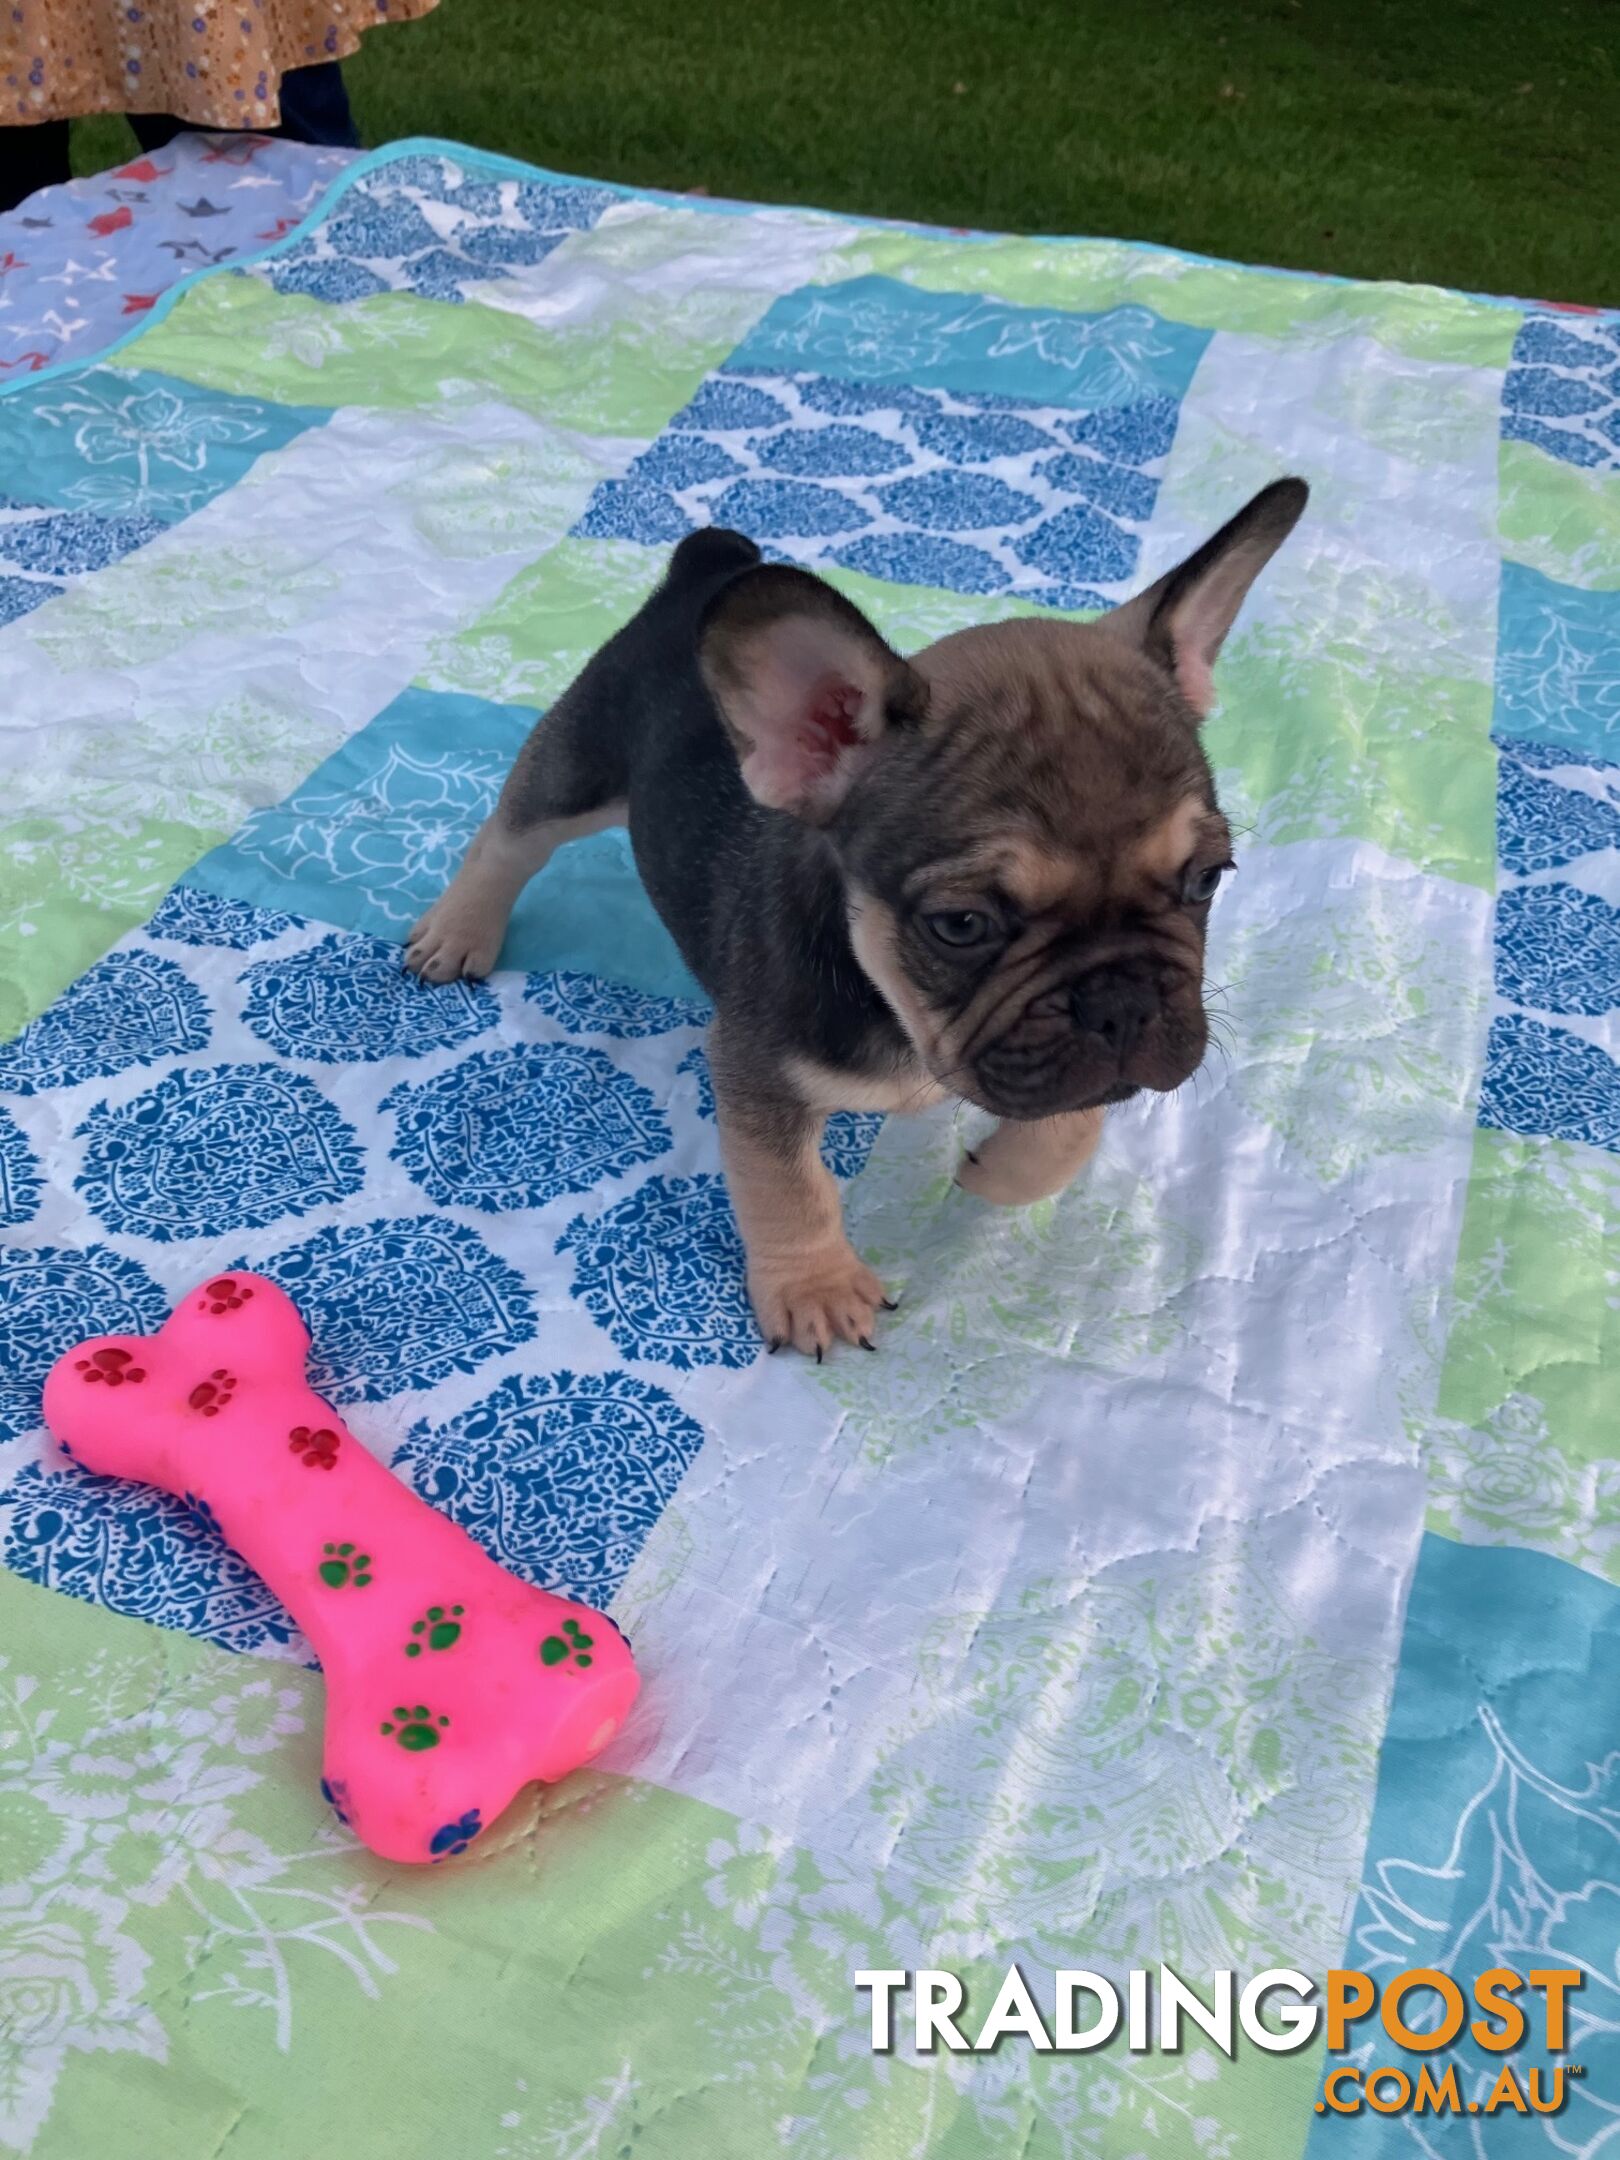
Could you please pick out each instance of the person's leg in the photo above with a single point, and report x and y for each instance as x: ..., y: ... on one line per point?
x: 315, y: 107
x: 155, y: 131
x: 32, y: 158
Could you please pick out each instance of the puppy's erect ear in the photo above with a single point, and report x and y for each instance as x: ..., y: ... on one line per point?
x: 1182, y: 620
x: 805, y: 686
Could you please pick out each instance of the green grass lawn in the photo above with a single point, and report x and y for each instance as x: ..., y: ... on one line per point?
x: 1465, y: 142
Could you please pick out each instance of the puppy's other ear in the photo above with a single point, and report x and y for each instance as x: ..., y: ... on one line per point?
x: 1182, y: 620
x: 805, y: 686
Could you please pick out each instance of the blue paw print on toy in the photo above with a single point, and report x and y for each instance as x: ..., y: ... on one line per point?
x: 191, y: 916
x: 662, y: 1273
x: 591, y: 1005
x: 127, y: 1010
x: 21, y: 1180
x: 560, y: 1477
x: 136, y: 1552
x: 1558, y: 947
x: 516, y: 1128
x: 53, y: 1297
x: 348, y: 999
x: 846, y: 1141
x: 400, y: 1304
x: 335, y: 1793
x: 454, y: 1837
x: 233, y: 1147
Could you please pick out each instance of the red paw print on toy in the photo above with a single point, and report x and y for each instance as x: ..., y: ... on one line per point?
x: 212, y: 1395
x: 224, y: 1294
x: 113, y: 1366
x: 317, y: 1450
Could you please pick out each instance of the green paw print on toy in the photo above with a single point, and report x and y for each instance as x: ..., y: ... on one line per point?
x: 416, y: 1729
x: 344, y: 1568
x: 438, y: 1629
x: 575, y: 1651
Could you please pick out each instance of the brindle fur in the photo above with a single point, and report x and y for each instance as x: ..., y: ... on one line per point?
x: 1045, y: 775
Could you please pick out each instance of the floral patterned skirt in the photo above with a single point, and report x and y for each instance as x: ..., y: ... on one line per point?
x: 213, y: 63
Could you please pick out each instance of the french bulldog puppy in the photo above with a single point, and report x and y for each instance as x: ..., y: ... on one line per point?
x: 984, y: 872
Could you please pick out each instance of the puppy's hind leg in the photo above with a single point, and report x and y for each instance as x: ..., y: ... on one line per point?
x: 560, y: 788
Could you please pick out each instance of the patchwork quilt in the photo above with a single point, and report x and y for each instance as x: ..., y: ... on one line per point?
x: 1219, y: 1564
x: 79, y: 263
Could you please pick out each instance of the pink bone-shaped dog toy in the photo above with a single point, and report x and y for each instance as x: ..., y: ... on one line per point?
x: 450, y: 1683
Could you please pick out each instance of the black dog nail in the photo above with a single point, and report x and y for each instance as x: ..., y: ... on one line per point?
x: 891, y: 1304
x: 818, y: 1353
x: 774, y: 1345
x: 867, y: 1343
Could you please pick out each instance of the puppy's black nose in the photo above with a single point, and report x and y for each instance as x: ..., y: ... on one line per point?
x: 1115, y: 1005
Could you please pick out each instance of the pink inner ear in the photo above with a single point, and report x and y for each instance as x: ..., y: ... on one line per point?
x: 1195, y: 681
x: 829, y: 725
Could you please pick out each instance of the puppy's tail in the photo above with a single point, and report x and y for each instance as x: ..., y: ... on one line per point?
x: 713, y: 553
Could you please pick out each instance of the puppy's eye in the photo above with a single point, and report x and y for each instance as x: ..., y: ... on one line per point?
x: 959, y: 927
x: 1198, y: 885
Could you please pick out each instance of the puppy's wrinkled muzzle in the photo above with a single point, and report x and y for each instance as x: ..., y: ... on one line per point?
x: 1115, y: 1032
x: 1111, y: 1009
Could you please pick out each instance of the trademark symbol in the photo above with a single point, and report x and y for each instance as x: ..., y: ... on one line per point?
x: 1576, y: 2070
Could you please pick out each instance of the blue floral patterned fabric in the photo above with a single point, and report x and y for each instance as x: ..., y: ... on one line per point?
x: 1562, y: 392
x: 561, y: 1476
x: 859, y: 424
x: 110, y: 461
x: 424, y: 225
x: 1553, y: 1053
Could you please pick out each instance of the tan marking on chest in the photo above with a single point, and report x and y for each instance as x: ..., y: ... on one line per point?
x: 824, y: 1087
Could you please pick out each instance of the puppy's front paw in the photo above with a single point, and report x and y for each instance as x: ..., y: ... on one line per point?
x: 1017, y: 1164
x: 989, y: 1176
x: 454, y: 938
x: 815, y: 1299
